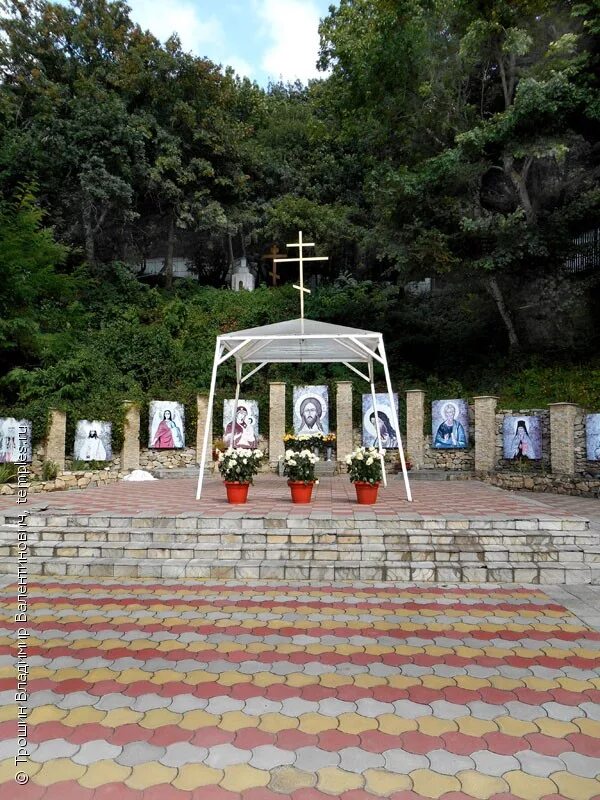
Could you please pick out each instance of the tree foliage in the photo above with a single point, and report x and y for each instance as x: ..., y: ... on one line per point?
x: 455, y: 140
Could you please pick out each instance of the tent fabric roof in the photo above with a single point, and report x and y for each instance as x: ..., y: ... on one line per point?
x: 285, y: 342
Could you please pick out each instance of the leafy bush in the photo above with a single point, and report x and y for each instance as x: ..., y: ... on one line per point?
x: 88, y: 466
x: 49, y: 470
x: 300, y: 465
x: 364, y: 465
x: 238, y: 465
x: 8, y: 473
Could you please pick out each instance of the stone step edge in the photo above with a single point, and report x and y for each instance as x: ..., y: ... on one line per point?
x: 305, y: 547
x: 503, y: 572
x: 492, y: 522
x: 475, y: 542
x: 9, y: 532
x: 291, y: 563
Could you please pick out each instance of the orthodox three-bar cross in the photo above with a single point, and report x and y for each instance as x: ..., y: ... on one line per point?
x: 272, y: 257
x: 301, y: 259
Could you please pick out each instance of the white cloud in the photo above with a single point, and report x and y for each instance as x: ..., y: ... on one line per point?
x: 181, y: 17
x: 291, y: 35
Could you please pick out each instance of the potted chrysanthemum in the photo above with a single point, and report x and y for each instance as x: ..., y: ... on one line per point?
x: 238, y: 466
x: 365, y: 471
x: 299, y: 466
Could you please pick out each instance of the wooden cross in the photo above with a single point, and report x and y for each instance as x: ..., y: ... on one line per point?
x: 272, y: 256
x: 301, y: 259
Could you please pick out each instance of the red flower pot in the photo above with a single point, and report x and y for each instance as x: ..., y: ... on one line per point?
x: 301, y: 492
x: 236, y: 492
x: 366, y: 493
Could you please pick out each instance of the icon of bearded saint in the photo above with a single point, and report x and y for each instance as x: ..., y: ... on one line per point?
x: 311, y: 412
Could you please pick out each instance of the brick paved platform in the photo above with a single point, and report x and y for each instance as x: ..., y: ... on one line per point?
x: 218, y: 691
x: 271, y: 493
x: 462, y: 531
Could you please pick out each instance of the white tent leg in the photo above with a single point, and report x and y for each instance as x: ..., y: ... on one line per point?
x: 211, y: 398
x: 395, y: 420
x: 379, y: 446
x: 238, y: 381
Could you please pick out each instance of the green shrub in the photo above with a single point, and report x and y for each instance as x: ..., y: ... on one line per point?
x: 88, y: 466
x: 8, y: 473
x: 49, y: 470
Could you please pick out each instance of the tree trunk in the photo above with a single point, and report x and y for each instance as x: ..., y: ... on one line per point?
x: 88, y: 232
x: 496, y: 293
x: 230, y: 250
x: 519, y: 181
x: 169, y: 258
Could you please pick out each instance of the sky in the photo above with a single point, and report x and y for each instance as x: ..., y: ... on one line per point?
x: 265, y: 40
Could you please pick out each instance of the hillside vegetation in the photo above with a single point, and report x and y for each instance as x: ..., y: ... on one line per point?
x: 452, y: 140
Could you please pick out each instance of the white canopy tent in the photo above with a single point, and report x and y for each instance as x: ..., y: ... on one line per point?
x: 302, y: 341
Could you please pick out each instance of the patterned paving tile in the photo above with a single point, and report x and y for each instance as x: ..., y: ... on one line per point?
x: 333, y: 497
x: 184, y: 690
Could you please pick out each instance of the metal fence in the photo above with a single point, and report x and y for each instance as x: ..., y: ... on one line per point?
x: 587, y: 256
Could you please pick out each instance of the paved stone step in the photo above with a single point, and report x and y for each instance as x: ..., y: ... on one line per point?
x: 518, y: 527
x: 364, y: 552
x: 409, y: 537
x: 362, y: 521
x: 180, y: 472
x: 436, y: 475
x: 500, y: 572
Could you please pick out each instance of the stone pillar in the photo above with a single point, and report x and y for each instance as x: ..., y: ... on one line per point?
x: 344, y: 419
x: 485, y: 433
x: 276, y: 421
x: 562, y: 437
x: 130, y: 454
x: 415, y: 420
x: 202, y: 406
x: 54, y: 450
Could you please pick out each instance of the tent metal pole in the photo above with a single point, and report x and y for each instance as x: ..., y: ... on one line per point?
x: 379, y: 445
x: 358, y: 372
x: 211, y: 398
x: 238, y: 381
x: 395, y: 419
x: 254, y: 371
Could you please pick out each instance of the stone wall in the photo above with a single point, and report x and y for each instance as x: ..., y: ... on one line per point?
x: 37, y: 459
x: 557, y: 484
x: 169, y: 459
x: 114, y: 465
x: 68, y: 480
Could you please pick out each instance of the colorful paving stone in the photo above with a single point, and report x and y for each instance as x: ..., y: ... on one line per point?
x: 184, y: 690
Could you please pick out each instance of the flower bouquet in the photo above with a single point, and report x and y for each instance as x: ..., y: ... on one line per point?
x: 328, y: 442
x: 299, y: 466
x: 366, y: 473
x: 238, y: 467
x: 303, y: 441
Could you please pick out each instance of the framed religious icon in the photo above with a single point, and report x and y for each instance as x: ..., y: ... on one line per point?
x: 385, y: 423
x: 15, y: 441
x: 311, y: 410
x: 592, y: 437
x: 93, y: 441
x: 167, y: 425
x: 245, y: 430
x: 522, y: 438
x: 450, y: 424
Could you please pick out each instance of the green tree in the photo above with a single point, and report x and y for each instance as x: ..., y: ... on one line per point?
x: 34, y: 294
